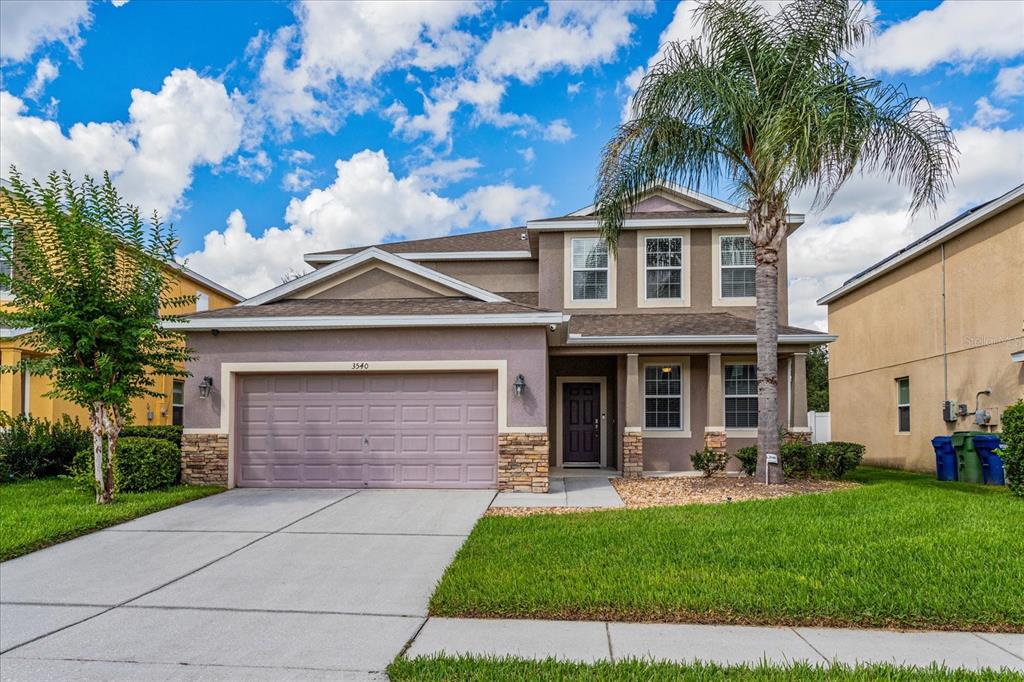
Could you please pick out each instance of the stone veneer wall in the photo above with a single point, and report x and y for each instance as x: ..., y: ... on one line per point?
x: 796, y: 437
x: 523, y: 462
x: 204, y: 458
x: 716, y: 440
x: 632, y: 454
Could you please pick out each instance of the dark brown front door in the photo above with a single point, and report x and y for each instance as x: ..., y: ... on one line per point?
x: 581, y: 427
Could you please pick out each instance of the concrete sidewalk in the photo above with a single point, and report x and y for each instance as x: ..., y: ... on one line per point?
x: 590, y: 641
x: 569, y: 488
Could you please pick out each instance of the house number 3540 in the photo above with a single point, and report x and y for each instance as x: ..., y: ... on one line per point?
x: 360, y: 365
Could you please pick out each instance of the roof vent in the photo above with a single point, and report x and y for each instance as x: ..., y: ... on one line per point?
x: 522, y: 236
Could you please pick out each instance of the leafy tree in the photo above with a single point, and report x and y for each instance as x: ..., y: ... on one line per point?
x: 770, y: 103
x: 89, y: 277
x: 817, y: 379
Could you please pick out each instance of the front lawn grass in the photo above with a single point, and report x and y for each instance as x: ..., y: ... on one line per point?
x: 467, y: 669
x: 35, y: 514
x: 901, y: 550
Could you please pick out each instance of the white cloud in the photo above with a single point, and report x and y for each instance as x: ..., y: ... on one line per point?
x: 868, y: 219
x: 255, y: 167
x: 987, y: 115
x: 118, y: 3
x: 1010, y: 82
x: 336, y: 43
x: 191, y: 121
x: 558, y: 131
x: 46, y: 71
x: 528, y: 154
x: 25, y: 26
x: 297, y: 157
x: 365, y: 204
x: 297, y: 180
x: 568, y: 35
x: 573, y: 89
x: 443, y: 172
x: 958, y: 33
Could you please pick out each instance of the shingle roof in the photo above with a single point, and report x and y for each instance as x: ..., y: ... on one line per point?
x: 680, y: 324
x: 640, y: 215
x: 387, y: 306
x: 506, y: 239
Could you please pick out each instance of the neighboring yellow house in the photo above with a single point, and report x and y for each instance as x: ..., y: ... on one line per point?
x: 21, y: 394
x: 931, y: 339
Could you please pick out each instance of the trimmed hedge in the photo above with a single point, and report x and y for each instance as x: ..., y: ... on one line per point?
x: 168, y: 432
x: 1013, y: 454
x: 140, y: 464
x: 709, y: 461
x: 820, y: 460
x: 34, y: 448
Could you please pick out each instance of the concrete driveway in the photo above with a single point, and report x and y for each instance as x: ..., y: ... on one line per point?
x: 248, y: 584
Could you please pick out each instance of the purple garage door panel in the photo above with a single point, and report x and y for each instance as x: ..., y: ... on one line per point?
x: 368, y: 430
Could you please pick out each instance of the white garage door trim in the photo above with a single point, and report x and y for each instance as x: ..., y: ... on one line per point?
x: 228, y: 370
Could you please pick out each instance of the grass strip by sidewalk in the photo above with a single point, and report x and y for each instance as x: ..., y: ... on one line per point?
x: 36, y: 514
x: 901, y: 550
x: 469, y: 669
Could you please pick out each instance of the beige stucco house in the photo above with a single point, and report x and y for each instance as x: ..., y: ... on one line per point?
x: 484, y: 359
x: 930, y: 339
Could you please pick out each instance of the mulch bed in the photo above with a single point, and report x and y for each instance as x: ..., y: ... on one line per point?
x: 641, y: 493
x: 667, y: 491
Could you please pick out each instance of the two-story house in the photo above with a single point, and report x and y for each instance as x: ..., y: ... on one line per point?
x: 484, y: 359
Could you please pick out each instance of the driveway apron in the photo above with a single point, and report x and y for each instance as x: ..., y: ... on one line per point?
x: 248, y: 584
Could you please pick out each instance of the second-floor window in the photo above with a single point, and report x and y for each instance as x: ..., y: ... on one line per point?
x: 740, y: 396
x: 737, y: 267
x: 6, y: 268
x: 202, y: 302
x: 663, y: 267
x: 589, y: 269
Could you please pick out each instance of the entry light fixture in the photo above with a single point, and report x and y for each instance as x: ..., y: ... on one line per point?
x: 519, y: 385
x: 205, y: 386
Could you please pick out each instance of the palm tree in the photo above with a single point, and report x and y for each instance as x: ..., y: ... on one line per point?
x: 770, y: 103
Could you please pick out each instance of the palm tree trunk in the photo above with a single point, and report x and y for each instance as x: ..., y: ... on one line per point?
x: 768, y: 229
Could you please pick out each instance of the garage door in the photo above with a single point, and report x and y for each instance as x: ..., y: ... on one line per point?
x: 368, y: 430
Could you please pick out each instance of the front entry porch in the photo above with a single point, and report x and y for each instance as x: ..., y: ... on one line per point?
x: 638, y: 412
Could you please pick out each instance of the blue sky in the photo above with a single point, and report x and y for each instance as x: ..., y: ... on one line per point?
x: 269, y: 129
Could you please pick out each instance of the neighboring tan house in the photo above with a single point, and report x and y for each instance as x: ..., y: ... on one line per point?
x: 21, y: 393
x: 481, y: 360
x: 939, y: 320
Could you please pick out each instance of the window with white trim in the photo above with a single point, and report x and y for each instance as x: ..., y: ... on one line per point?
x: 903, y: 405
x: 589, y: 269
x: 663, y: 267
x: 663, y: 396
x: 178, y: 402
x: 202, y: 302
x: 740, y: 396
x: 736, y: 253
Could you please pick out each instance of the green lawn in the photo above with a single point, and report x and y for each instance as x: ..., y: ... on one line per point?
x: 35, y: 514
x: 902, y: 550
x: 467, y: 669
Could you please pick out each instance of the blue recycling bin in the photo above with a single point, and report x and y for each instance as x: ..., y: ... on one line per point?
x: 945, y: 458
x: 991, y: 463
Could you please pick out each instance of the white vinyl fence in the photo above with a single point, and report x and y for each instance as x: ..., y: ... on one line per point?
x: 821, y: 426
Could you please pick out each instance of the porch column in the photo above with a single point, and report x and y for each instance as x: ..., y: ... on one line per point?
x: 714, y: 431
x: 798, y: 422
x: 632, y: 440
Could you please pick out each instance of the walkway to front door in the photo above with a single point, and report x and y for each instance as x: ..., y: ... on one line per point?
x: 581, y: 424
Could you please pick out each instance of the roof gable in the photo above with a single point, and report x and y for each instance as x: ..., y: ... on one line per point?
x: 668, y: 196
x: 340, y: 271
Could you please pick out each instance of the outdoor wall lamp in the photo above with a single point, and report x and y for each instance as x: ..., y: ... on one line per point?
x: 519, y: 385
x: 205, y: 386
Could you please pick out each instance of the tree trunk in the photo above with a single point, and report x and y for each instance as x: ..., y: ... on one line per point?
x: 97, y: 419
x: 768, y: 229
x: 114, y: 424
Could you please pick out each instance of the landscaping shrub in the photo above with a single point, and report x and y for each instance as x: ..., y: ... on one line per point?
x: 797, y: 460
x: 33, y: 448
x: 709, y: 461
x: 748, y: 459
x: 1013, y: 454
x: 140, y: 464
x: 836, y: 458
x: 168, y: 432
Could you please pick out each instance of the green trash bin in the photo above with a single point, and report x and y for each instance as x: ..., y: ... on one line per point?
x: 968, y: 463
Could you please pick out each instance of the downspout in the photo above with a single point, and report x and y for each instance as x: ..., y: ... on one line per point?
x: 945, y: 356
